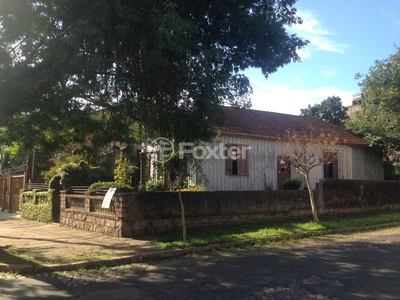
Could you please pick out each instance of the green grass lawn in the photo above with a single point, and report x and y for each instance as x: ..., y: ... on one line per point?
x: 271, y: 228
x: 231, y: 233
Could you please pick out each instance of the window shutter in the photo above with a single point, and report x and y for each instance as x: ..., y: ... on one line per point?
x: 243, y: 163
x: 228, y: 162
x: 326, y: 171
x: 335, y: 171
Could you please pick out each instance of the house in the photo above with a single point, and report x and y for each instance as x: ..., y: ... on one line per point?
x: 256, y: 133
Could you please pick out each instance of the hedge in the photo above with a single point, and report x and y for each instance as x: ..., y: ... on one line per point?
x: 36, y: 205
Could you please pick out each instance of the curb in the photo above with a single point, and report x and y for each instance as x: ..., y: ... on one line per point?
x: 156, y: 255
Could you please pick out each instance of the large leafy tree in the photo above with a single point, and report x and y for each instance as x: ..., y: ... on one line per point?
x: 330, y: 110
x: 378, y: 120
x: 166, y: 64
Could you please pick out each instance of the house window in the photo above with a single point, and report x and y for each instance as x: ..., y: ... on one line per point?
x: 331, y: 170
x: 237, y: 162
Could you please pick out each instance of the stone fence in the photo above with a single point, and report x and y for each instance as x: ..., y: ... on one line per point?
x: 150, y: 213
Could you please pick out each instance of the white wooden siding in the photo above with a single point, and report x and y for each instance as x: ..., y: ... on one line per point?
x: 263, y: 167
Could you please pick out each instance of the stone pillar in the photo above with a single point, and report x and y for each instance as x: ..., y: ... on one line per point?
x: 63, y: 200
x: 126, y: 226
x: 87, y: 202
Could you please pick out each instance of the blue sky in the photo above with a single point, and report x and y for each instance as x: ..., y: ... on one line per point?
x: 346, y: 37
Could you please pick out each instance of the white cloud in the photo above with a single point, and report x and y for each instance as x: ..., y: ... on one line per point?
x: 310, y: 24
x: 284, y: 99
x: 327, y: 45
x: 312, y: 30
x: 304, y: 53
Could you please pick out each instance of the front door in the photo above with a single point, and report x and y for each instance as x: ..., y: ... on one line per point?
x: 283, y: 171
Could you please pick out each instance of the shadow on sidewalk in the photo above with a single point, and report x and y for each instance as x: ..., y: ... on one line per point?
x: 8, y: 256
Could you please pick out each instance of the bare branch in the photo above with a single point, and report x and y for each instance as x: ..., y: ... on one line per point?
x: 307, y: 150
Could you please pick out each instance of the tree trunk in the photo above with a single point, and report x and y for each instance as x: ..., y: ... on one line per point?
x: 310, y: 191
x: 183, y: 216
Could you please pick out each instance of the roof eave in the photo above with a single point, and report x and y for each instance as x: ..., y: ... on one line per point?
x: 275, y: 138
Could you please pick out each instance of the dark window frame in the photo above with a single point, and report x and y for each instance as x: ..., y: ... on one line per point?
x: 237, y: 166
x: 331, y: 170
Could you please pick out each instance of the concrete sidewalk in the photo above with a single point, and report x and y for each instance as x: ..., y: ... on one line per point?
x: 46, y: 242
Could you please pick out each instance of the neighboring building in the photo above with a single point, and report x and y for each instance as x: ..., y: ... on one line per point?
x: 355, y: 105
x: 262, y: 168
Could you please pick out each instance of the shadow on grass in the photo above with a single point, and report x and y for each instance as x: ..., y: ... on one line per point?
x: 272, y: 228
x: 9, y: 256
x: 12, y: 256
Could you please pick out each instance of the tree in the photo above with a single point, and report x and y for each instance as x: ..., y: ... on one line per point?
x: 378, y: 120
x: 175, y: 161
x: 167, y: 65
x: 176, y: 167
x: 142, y: 61
x: 330, y: 110
x: 305, y: 151
x: 11, y: 154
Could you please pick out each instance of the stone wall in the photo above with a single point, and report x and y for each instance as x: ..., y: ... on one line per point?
x: 358, y: 195
x: 138, y: 214
x: 89, y: 216
x: 154, y: 213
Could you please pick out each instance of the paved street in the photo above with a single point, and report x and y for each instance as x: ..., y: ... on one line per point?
x: 362, y: 266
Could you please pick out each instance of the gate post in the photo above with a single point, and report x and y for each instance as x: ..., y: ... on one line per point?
x: 3, y: 194
x: 8, y: 193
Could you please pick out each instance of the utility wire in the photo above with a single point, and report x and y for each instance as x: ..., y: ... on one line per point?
x: 73, y: 24
x: 15, y: 48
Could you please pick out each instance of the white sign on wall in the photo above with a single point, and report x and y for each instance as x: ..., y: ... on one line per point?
x: 107, y: 198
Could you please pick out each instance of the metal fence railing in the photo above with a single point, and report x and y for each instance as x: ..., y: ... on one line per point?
x: 95, y: 206
x: 75, y: 203
x: 9, y: 171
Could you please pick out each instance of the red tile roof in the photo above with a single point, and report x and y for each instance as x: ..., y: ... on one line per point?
x: 271, y: 126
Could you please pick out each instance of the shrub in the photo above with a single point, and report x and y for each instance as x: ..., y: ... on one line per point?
x: 55, y: 182
x: 124, y: 171
x: 63, y: 160
x: 71, y: 174
x: 122, y: 176
x: 36, y: 206
x: 292, y: 184
x: 196, y: 188
x: 155, y: 185
x: 182, y: 184
x: 110, y: 184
